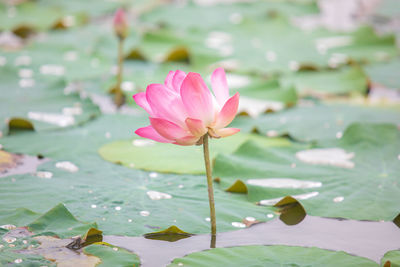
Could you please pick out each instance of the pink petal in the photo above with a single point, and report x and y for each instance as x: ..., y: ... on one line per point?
x: 187, y: 141
x: 224, y: 132
x: 150, y: 133
x: 168, y: 80
x: 166, y: 104
x: 196, y: 127
x: 119, y: 17
x: 228, y: 112
x: 140, y: 99
x: 167, y: 129
x: 174, y: 80
x: 220, y: 85
x: 197, y: 99
x: 120, y: 23
x: 177, y: 80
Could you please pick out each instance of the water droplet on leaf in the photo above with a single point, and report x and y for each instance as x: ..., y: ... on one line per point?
x: 67, y: 166
x: 155, y: 195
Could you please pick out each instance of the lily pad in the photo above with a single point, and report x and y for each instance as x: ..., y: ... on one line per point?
x: 393, y: 257
x: 28, y: 14
x: 149, y: 155
x: 332, y: 179
x: 60, y: 221
x: 272, y: 256
x: 121, y: 200
x: 316, y: 121
x: 328, y: 83
x: 385, y: 74
x: 44, y: 105
x: 112, y: 256
x: 180, y: 16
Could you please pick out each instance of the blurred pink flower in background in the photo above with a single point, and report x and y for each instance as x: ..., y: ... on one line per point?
x: 183, y: 110
x: 120, y: 24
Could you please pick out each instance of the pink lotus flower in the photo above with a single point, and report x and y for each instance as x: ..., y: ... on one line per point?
x: 120, y: 24
x: 183, y: 110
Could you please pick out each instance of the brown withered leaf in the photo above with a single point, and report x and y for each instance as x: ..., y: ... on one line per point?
x: 290, y: 210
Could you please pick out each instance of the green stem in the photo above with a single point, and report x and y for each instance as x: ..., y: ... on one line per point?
x: 210, y: 188
x: 119, y: 96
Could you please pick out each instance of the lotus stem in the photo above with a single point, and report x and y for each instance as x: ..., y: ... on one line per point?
x: 210, y: 188
x: 119, y: 96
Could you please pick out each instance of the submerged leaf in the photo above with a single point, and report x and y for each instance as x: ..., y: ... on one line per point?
x: 397, y: 220
x: 171, y: 234
x: 178, y: 54
x: 19, y: 124
x: 237, y: 187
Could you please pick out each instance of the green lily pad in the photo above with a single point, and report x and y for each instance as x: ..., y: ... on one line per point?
x: 112, y: 256
x: 28, y: 14
x: 10, y: 253
x: 60, y: 221
x: 270, y: 256
x: 393, y: 257
x: 316, y: 121
x: 149, y: 155
x: 42, y: 104
x: 115, y: 197
x: 19, y: 216
x: 342, y: 178
x: 180, y: 16
x: 9, y: 258
x: 270, y: 90
x: 385, y: 74
x: 328, y: 83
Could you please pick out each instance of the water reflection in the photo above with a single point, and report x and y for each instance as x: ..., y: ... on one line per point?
x: 361, y: 238
x: 213, y: 241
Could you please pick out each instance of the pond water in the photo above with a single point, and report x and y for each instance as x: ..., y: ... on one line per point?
x: 362, y: 238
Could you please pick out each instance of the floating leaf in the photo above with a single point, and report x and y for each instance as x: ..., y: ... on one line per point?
x: 112, y: 256
x: 118, y: 205
x: 328, y: 83
x: 323, y: 185
x: 55, y: 249
x: 391, y: 259
x: 385, y: 74
x: 149, y: 155
x: 43, y: 106
x: 271, y: 256
x: 59, y: 221
x: 316, y: 121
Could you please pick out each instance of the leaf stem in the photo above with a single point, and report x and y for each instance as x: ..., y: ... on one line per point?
x: 119, y: 96
x: 210, y: 188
